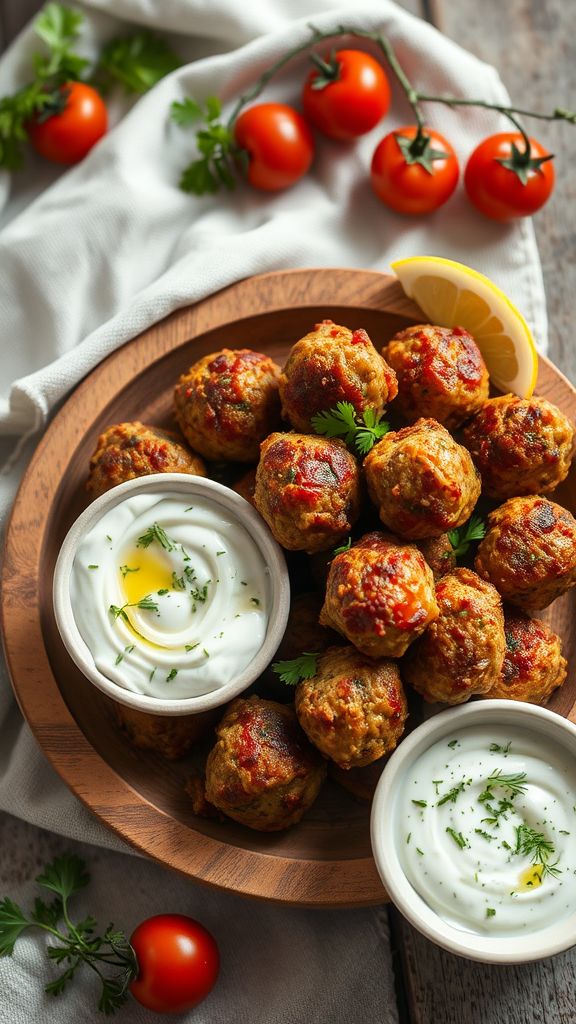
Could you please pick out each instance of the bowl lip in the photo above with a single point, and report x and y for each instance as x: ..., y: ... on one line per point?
x: 247, y: 516
x: 517, y: 949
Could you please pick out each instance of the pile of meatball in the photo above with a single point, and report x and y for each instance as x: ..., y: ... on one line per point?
x: 395, y: 609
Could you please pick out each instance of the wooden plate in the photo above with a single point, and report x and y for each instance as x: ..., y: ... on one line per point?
x: 326, y: 860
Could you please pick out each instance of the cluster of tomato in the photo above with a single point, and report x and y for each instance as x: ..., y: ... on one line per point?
x: 414, y: 170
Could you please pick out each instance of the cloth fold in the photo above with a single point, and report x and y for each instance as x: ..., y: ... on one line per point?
x: 91, y: 257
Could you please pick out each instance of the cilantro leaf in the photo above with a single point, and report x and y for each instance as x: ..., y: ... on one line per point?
x: 291, y: 672
x: 462, y: 537
x: 343, y: 421
x: 138, y: 61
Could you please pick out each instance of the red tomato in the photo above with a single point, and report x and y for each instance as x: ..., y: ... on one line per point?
x: 178, y: 963
x: 65, y: 137
x: 279, y: 144
x: 410, y: 183
x: 498, y: 191
x: 354, y: 98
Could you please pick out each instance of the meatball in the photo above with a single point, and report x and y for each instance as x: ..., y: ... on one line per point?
x: 353, y: 709
x: 422, y: 481
x: 227, y: 403
x: 129, y: 450
x: 307, y: 490
x: 263, y: 772
x: 440, y: 371
x: 533, y: 663
x: 333, y: 364
x: 380, y: 595
x: 172, y: 737
x: 462, y: 652
x: 439, y: 554
x: 520, y: 445
x: 529, y: 551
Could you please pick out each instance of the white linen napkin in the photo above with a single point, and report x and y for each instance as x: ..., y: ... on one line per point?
x: 91, y: 257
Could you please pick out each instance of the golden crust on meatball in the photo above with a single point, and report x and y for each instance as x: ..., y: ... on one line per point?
x: 227, y: 403
x: 172, y: 737
x: 520, y: 445
x: 380, y: 595
x: 441, y: 373
x: 263, y: 772
x: 333, y: 364
x: 439, y: 554
x: 533, y: 664
x: 422, y: 481
x: 128, y: 450
x: 529, y: 551
x: 462, y: 651
x: 353, y: 709
x: 307, y: 490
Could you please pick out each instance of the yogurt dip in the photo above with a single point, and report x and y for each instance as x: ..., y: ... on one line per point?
x: 486, y: 830
x: 171, y: 596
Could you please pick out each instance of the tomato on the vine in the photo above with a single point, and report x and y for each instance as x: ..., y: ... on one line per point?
x: 279, y: 144
x: 504, y: 181
x: 67, y: 131
x: 414, y: 172
x: 178, y: 963
x: 346, y: 95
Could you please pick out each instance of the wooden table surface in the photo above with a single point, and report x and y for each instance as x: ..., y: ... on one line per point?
x: 533, y: 44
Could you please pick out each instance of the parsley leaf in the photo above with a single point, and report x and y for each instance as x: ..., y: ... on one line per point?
x: 291, y: 672
x: 462, y: 538
x: 219, y: 153
x: 12, y: 923
x: 137, y: 62
x: 343, y: 421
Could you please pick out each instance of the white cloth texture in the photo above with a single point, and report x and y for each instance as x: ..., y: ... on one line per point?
x: 91, y: 257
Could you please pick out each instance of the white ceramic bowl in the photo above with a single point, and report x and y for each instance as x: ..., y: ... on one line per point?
x: 551, y: 730
x: 232, y: 504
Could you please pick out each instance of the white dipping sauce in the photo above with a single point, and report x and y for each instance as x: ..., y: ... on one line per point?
x: 171, y: 599
x: 490, y: 855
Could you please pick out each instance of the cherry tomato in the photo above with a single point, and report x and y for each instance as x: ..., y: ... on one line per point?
x: 178, y: 963
x: 66, y: 137
x: 279, y: 145
x: 412, y: 183
x: 498, y: 191
x: 349, y: 98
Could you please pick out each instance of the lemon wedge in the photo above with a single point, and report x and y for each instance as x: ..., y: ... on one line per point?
x: 451, y: 295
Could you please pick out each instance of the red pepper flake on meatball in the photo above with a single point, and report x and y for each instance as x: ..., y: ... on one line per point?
x: 227, y: 403
x: 334, y: 364
x: 440, y: 371
x: 307, y: 490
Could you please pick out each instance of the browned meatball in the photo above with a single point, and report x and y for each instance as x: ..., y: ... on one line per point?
x: 529, y: 551
x: 380, y: 595
x: 227, y: 403
x: 353, y: 708
x: 422, y: 481
x: 439, y: 554
x: 129, y: 450
x: 333, y: 364
x: 533, y: 664
x: 172, y: 737
x: 307, y: 490
x: 462, y: 652
x: 263, y: 772
x: 520, y: 445
x: 440, y: 371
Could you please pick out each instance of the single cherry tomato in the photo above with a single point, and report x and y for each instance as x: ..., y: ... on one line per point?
x: 279, y: 144
x: 178, y: 963
x: 414, y: 172
x: 503, y: 181
x: 346, y: 95
x: 79, y: 119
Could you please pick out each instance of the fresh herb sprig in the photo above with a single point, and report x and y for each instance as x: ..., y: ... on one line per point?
x: 291, y: 672
x: 219, y: 153
x: 462, y: 538
x: 76, y: 943
x: 136, y: 62
x: 147, y: 604
x: 535, y: 845
x: 361, y: 432
x: 155, y: 533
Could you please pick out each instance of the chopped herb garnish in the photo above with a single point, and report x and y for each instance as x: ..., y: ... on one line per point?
x: 206, y: 652
x: 343, y: 421
x: 514, y: 783
x: 457, y: 837
x: 408, y: 838
x: 200, y: 593
x: 343, y: 547
x: 93, y: 566
x: 145, y: 603
x: 495, y: 748
x: 178, y: 582
x: 155, y: 533
x: 189, y: 509
x: 452, y: 744
x: 490, y: 912
x: 436, y: 783
x: 485, y: 835
x: 255, y: 600
x: 162, y: 592
x: 420, y: 803
x: 535, y: 845
x: 127, y: 650
x: 243, y: 583
x: 418, y: 850
x: 125, y: 569
x: 171, y: 675
x: 505, y: 845
x: 291, y: 672
x: 152, y: 674
x: 462, y: 538
x: 220, y: 553
x: 452, y: 794
x: 108, y: 537
x: 191, y: 647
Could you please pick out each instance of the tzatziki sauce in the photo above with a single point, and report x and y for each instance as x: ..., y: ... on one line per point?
x: 171, y: 598
x: 486, y: 830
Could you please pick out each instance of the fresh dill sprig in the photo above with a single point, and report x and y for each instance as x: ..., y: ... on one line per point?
x: 155, y: 533
x: 452, y: 794
x: 535, y: 845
